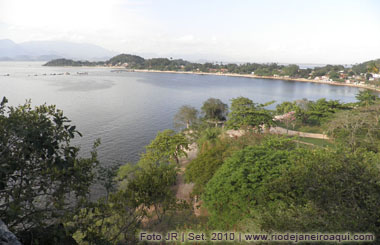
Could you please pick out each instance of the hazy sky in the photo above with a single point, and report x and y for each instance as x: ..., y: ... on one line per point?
x: 291, y: 31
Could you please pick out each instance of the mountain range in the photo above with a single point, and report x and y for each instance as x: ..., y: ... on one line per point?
x: 48, y: 50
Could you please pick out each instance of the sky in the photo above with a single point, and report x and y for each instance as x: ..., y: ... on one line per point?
x: 292, y: 31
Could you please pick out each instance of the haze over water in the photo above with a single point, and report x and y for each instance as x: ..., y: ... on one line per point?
x: 127, y: 109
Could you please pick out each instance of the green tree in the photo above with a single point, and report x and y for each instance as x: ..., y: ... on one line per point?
x: 168, y: 144
x: 208, y: 138
x: 291, y: 70
x: 214, y: 110
x: 106, y: 176
x: 232, y: 192
x: 334, y: 75
x: 152, y: 187
x: 372, y: 67
x: 323, y: 190
x: 358, y: 128
x: 286, y: 107
x: 245, y: 113
x: 145, y: 191
x: 185, y: 117
x: 318, y: 112
x: 39, y: 168
x: 366, y: 97
x: 112, y: 221
x: 203, y: 167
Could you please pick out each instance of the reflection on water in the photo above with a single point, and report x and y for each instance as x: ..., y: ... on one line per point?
x: 84, y: 85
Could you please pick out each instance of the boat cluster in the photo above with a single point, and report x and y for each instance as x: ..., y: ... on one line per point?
x: 51, y: 74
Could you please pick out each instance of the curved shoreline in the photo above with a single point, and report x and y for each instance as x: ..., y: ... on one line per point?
x: 262, y: 77
x: 238, y: 75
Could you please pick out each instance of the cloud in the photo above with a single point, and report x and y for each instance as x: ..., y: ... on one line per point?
x: 256, y: 31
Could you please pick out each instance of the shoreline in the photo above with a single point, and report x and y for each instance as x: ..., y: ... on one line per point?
x: 235, y: 75
x: 262, y: 77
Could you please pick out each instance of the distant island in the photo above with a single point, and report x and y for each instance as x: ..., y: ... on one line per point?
x: 365, y: 74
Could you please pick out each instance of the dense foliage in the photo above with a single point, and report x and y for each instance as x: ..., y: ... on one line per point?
x: 358, y: 128
x: 68, y: 62
x: 243, y: 180
x: 371, y: 66
x: 42, y: 179
x: 132, y: 60
x: 202, y: 168
x: 168, y: 144
x: 322, y: 190
x: 214, y: 110
x: 244, y: 113
x: 234, y: 189
x: 312, y: 112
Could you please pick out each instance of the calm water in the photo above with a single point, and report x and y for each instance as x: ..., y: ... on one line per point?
x: 126, y: 109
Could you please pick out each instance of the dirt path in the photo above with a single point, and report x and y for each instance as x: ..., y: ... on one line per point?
x: 279, y: 130
x: 183, y: 189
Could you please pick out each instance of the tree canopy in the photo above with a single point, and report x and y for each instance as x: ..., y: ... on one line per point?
x: 214, y: 109
x: 244, y: 113
x: 168, y: 144
x: 366, y: 97
x: 234, y: 189
x: 185, y: 117
x: 358, y: 128
x: 42, y: 178
x: 326, y: 191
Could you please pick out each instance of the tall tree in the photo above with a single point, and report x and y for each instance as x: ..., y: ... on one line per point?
x: 214, y: 110
x: 185, y: 117
x: 168, y: 144
x: 245, y: 113
x: 286, y: 107
x: 366, y: 97
x: 358, y: 128
x: 39, y: 168
x: 152, y: 187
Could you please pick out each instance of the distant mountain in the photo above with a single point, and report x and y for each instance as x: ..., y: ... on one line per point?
x: 9, y: 49
x: 48, y: 50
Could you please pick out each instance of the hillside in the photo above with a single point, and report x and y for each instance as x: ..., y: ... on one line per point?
x: 132, y: 60
x: 68, y: 62
x: 367, y: 66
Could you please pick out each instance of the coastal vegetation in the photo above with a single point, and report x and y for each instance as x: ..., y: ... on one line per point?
x: 243, y: 176
x: 366, y: 73
x: 68, y: 62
